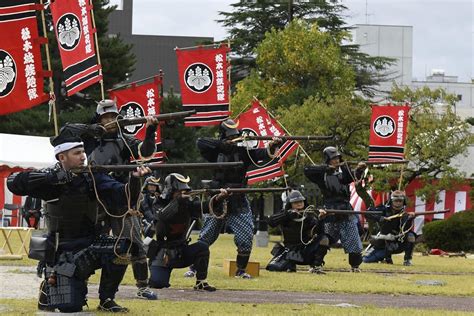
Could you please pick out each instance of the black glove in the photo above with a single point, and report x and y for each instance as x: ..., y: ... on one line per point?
x: 292, y: 214
x: 96, y: 130
x: 59, y: 176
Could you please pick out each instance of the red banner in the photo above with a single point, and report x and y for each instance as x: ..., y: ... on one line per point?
x: 204, y: 84
x: 140, y: 101
x: 388, y: 131
x: 257, y: 121
x: 75, y: 36
x: 21, y: 71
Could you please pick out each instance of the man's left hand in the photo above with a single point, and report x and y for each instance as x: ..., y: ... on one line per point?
x: 141, y: 171
x: 411, y: 214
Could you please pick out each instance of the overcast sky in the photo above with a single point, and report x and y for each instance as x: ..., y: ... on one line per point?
x: 443, y: 30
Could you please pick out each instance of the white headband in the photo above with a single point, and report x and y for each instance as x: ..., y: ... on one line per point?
x: 66, y: 146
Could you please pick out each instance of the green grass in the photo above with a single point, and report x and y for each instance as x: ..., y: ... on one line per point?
x: 393, y: 283
x: 160, y: 307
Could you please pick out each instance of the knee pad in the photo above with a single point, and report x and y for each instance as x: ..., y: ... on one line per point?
x: 411, y: 237
x: 324, y: 241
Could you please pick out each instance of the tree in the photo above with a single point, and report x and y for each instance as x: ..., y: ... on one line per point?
x: 251, y: 20
x: 435, y: 136
x: 294, y: 64
x: 117, y: 61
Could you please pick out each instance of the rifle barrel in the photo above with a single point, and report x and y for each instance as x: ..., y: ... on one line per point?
x: 158, y: 166
x: 431, y: 212
x: 349, y: 212
x: 285, y: 138
x: 160, y: 117
x: 388, y: 162
x: 239, y: 190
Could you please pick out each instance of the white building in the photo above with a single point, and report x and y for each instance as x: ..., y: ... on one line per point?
x: 396, y: 41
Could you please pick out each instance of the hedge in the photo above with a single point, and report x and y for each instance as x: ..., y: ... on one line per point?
x: 453, y: 234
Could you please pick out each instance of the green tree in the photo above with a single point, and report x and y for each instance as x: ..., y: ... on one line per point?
x: 435, y: 136
x: 294, y: 64
x: 249, y: 21
x: 117, y: 60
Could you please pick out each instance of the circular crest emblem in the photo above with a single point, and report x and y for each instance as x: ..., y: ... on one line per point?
x: 7, y: 73
x: 69, y: 31
x: 250, y: 144
x: 198, y: 77
x: 384, y: 126
x: 132, y: 110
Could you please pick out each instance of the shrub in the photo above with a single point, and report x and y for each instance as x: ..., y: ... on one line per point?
x: 453, y: 234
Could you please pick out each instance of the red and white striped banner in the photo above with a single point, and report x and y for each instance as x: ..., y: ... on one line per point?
x: 21, y: 68
x: 75, y: 35
x: 456, y: 200
x: 204, y: 84
x: 257, y: 121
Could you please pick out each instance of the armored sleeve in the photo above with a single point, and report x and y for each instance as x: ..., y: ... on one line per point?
x: 315, y: 174
x: 278, y: 218
x: 375, y: 217
x: 33, y: 183
x: 209, y: 148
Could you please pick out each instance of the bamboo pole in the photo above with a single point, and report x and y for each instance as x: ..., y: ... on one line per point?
x: 96, y: 38
x: 52, y: 100
x: 286, y: 131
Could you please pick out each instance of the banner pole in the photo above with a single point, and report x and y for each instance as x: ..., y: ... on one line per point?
x: 229, y: 71
x: 96, y: 38
x: 286, y: 131
x: 52, y: 97
x: 199, y: 46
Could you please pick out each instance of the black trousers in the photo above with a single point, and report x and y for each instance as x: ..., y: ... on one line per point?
x: 196, y: 254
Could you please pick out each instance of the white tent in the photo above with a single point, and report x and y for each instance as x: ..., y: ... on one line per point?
x: 25, y: 151
x: 19, y: 152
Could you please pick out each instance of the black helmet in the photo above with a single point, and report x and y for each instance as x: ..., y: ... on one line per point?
x: 228, y: 128
x: 398, y: 195
x: 331, y: 153
x: 175, y: 182
x: 296, y: 196
x: 152, y: 181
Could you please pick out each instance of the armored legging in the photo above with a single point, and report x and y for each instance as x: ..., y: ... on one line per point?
x: 378, y: 253
x: 196, y: 254
x: 240, y: 223
x: 346, y: 230
x: 130, y: 228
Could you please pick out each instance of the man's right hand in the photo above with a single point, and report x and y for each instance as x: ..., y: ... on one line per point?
x: 96, y: 130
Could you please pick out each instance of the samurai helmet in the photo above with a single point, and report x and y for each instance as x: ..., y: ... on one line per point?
x: 228, y: 128
x: 398, y: 195
x: 106, y: 106
x: 296, y: 196
x: 152, y: 181
x: 175, y: 182
x: 331, y: 153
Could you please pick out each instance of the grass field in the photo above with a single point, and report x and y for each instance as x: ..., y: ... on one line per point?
x: 138, y: 307
x: 384, y: 283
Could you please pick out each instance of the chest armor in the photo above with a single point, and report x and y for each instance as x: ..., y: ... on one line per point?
x: 108, y: 152
x: 231, y: 176
x: 74, y: 213
x: 336, y: 190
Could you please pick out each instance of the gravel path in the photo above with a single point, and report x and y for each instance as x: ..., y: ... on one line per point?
x: 21, y: 282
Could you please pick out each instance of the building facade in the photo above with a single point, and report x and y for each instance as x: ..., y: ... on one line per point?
x: 396, y: 41
x: 153, y: 52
